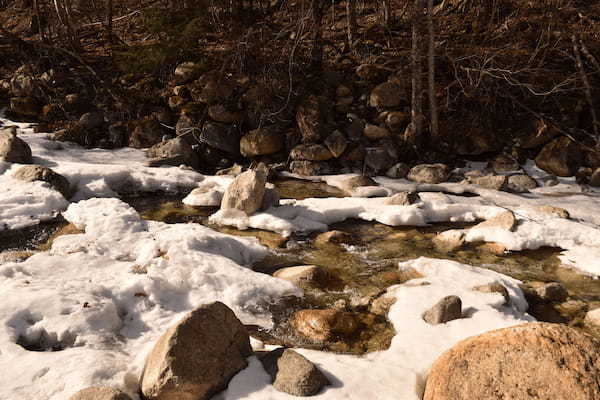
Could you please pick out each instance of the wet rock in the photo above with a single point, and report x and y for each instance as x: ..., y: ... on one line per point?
x: 292, y: 373
x: 261, y: 142
x: 529, y: 361
x: 309, y: 168
x: 13, y: 149
x: 403, y: 199
x: 323, y: 326
x: 30, y: 173
x: 219, y: 113
x: 592, y: 318
x: 521, y: 183
x: 504, y: 163
x: 349, y: 184
x: 429, y: 173
x: 198, y: 356
x: 333, y: 237
x: 505, y: 220
x: 145, y: 134
x: 100, y: 393
x: 555, y: 212
x: 382, y: 304
x: 386, y: 95
x: 186, y: 72
x: 374, y: 132
x: 495, y: 248
x: 494, y: 287
x: 397, y: 171
x: 25, y: 106
x: 91, y: 120
x: 303, y: 275
x: 447, y: 309
x: 177, y: 151
x: 449, y: 241
x: 310, y: 120
x: 246, y: 192
x: 559, y: 157
x: 550, y: 292
x: 336, y: 143
x: 494, y: 182
x: 311, y: 152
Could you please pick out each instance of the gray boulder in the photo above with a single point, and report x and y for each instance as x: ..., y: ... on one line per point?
x: 246, y: 192
x: 447, y: 309
x: 30, y: 173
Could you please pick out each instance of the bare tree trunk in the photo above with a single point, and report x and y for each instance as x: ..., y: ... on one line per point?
x: 317, y: 47
x: 386, y: 12
x: 351, y: 21
x: 586, y: 85
x: 415, y: 131
x: 110, y: 22
x: 433, y: 109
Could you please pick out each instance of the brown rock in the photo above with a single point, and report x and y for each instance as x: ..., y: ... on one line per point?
x: 556, y: 212
x: 396, y: 121
x: 323, y: 325
x: 14, y: 149
x: 309, y: 168
x: 530, y: 361
x: 219, y: 113
x: 494, y: 182
x: 504, y: 163
x: 429, y: 173
x: 386, y: 95
x: 521, y: 183
x: 26, y: 106
x: 494, y: 287
x: 100, y: 393
x: 449, y: 241
x: 303, y: 275
x: 397, y: 171
x: 246, y: 192
x: 333, y: 237
x: 310, y: 120
x: 402, y: 199
x: 447, y: 309
x: 559, y: 157
x: 30, y: 173
x: 311, y: 152
x: 505, y: 220
x: 374, y: 132
x: 147, y: 133
x: 336, y: 143
x: 178, y: 150
x: 543, y: 133
x: 197, y: 357
x: 349, y: 184
x: 261, y: 142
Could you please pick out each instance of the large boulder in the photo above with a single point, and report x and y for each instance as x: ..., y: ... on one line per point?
x: 429, y: 173
x: 30, y: 173
x: 177, y: 151
x: 100, y: 393
x: 246, y: 192
x: 292, y: 373
x: 530, y: 361
x: 303, y: 275
x: 386, y: 95
x: 559, y: 157
x: 220, y: 136
x: 261, y: 142
x: 197, y: 357
x: 336, y: 143
x: 14, y: 149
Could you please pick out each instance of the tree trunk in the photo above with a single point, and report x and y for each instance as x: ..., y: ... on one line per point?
x: 351, y: 21
x: 317, y: 47
x: 433, y: 110
x: 415, y: 131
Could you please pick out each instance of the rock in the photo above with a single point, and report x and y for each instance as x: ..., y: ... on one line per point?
x: 292, y: 373
x: 219, y: 113
x: 521, y: 183
x: 429, y: 173
x: 386, y: 95
x: 25, y: 106
x: 30, y: 173
x: 333, y: 237
x: 556, y: 212
x: 186, y: 72
x: 311, y: 152
x: 100, y: 393
x: 182, y: 91
x: 374, y: 132
x: 197, y: 357
x: 349, y: 184
x: 446, y: 310
x: 494, y: 287
x: 529, y: 361
x: 449, y: 241
x: 336, y: 143
x: 505, y: 220
x: 495, y: 248
x: 303, y: 275
x: 550, y: 292
x: 398, y: 171
x: 221, y: 137
x: 559, y: 157
x: 595, y: 178
x: 176, y: 103
x: 396, y: 121
x: 494, y: 182
x: 310, y: 120
x: 322, y: 326
x: 117, y: 135
x: 382, y: 304
x: 178, y: 151
x: 378, y: 158
x: 309, y: 168
x: 147, y: 133
x: 234, y: 170
x: 592, y: 318
x: 543, y: 133
x: 354, y: 154
x: 270, y: 199
x: 261, y: 142
x: 403, y: 199
x: 370, y: 72
x: 246, y: 192
x: 23, y: 83
x: 504, y: 163
x: 354, y: 130
x: 14, y: 149
x: 91, y: 120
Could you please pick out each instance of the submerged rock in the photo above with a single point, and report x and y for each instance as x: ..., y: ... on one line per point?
x: 333, y: 237
x: 447, y: 309
x: 198, y: 356
x: 303, y: 275
x: 292, y: 373
x: 246, y: 192
x: 14, y: 149
x: 323, y: 326
x: 100, y: 393
x: 30, y: 173
x: 449, y: 241
x: 530, y: 361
